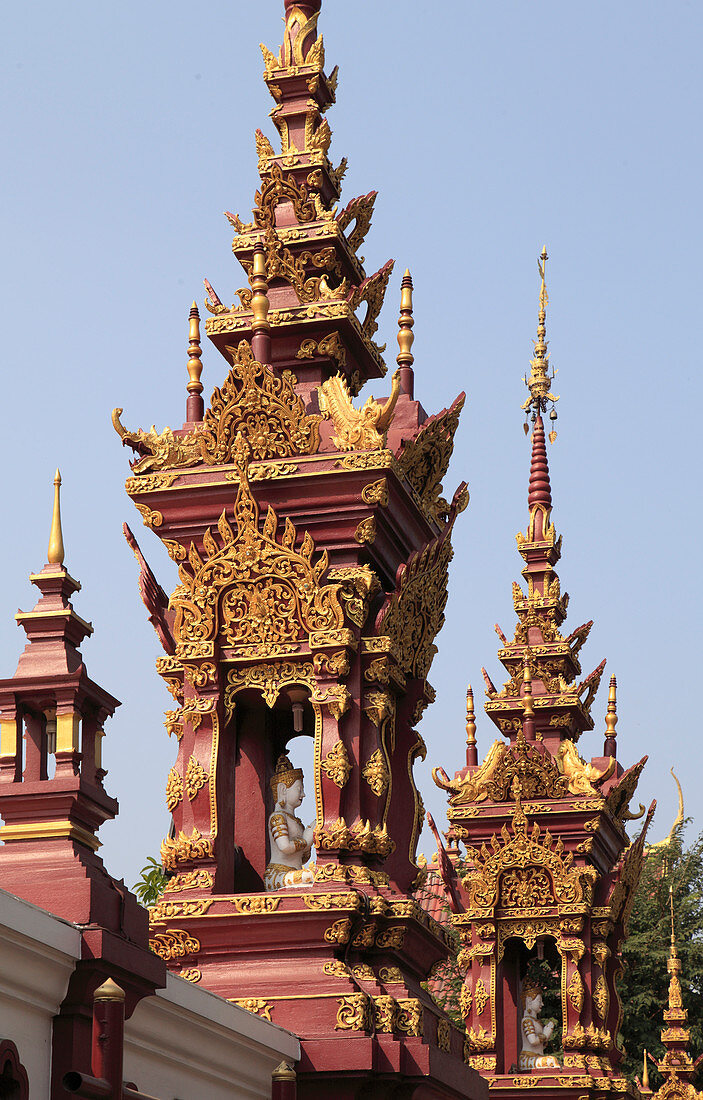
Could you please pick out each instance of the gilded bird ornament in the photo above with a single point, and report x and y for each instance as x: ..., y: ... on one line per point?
x: 362, y: 429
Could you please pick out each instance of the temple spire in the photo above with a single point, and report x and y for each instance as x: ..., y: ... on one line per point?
x: 405, y: 358
x: 195, y: 407
x: 55, y: 553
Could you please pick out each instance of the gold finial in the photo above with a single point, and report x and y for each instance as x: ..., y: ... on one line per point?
x: 405, y: 357
x: 471, y: 749
x: 611, y: 719
x: 259, y: 287
x: 528, y: 701
x: 645, y: 1072
x: 470, y: 717
x: 109, y: 991
x: 539, y: 381
x: 55, y: 553
x: 195, y: 367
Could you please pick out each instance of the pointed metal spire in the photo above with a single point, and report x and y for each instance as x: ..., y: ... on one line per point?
x: 261, y: 339
x: 195, y: 406
x: 405, y: 357
x: 55, y: 553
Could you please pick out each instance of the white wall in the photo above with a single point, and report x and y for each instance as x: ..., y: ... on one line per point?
x: 38, y: 953
x: 188, y: 1044
x: 182, y: 1044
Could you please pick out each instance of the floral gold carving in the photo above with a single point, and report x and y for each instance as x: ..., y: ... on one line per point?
x: 601, y: 997
x: 339, y: 931
x: 575, y: 990
x: 258, y: 591
x: 196, y: 777
x: 376, y: 493
x: 332, y: 901
x: 414, y: 613
x: 480, y: 997
x: 150, y: 518
x: 536, y: 771
x: 336, y: 764
x: 258, y: 1005
x: 191, y: 974
x: 444, y: 1035
x: 376, y: 773
x: 354, y: 1013
x: 174, y: 944
x: 184, y: 848
x: 390, y: 974
x: 391, y: 937
x: 366, y: 530
x: 385, y: 1012
x: 167, y: 909
x: 174, y: 789
x: 336, y: 969
x: 361, y: 837
x: 410, y: 1016
x: 425, y: 459
x: 331, y: 346
x: 379, y: 705
x: 260, y: 904
x: 377, y: 460
x: 190, y: 880
x: 525, y: 887
x: 254, y: 401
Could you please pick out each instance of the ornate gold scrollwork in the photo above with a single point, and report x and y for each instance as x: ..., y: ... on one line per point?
x: 184, y: 848
x: 354, y: 1012
x: 376, y: 773
x: 337, y: 765
x: 425, y: 459
x: 174, y: 944
x: 174, y: 789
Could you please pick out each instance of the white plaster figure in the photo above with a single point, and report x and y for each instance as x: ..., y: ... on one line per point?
x: 290, y: 842
x: 534, y: 1033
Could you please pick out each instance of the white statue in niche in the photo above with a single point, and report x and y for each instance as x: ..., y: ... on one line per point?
x: 534, y: 1033
x: 290, y: 842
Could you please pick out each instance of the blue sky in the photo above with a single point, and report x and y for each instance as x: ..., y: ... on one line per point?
x: 488, y: 130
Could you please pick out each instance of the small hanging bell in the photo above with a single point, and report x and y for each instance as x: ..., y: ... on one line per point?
x: 553, y: 413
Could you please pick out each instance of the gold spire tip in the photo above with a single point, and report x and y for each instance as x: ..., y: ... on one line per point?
x: 470, y: 717
x: 528, y: 701
x: 645, y: 1072
x: 259, y: 288
x: 405, y: 357
x: 540, y: 380
x: 55, y: 553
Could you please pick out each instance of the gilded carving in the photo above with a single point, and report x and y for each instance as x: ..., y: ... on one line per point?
x: 332, y: 901
x: 354, y: 1012
x: 339, y: 931
x: 571, y: 885
x: 376, y: 773
x: 480, y: 997
x: 376, y: 460
x: 575, y: 991
x: 191, y: 974
x: 336, y: 764
x: 362, y: 429
x: 190, y: 880
x: 580, y: 775
x: 411, y: 1016
x: 184, y: 848
x: 359, y: 585
x: 196, y: 777
x: 444, y: 1035
x: 258, y: 1005
x: 167, y: 909
x: 601, y: 998
x: 371, y: 292
x: 390, y: 975
x: 391, y: 937
x: 148, y: 483
x: 480, y: 1039
x: 331, y: 346
x: 174, y: 944
x: 376, y: 492
x: 525, y: 888
x: 425, y: 459
x: 200, y: 675
x: 357, y: 212
x: 537, y: 773
x: 253, y: 400
x: 256, y: 590
x: 150, y: 518
x: 361, y: 837
x: 414, y: 612
x: 385, y: 1012
x: 260, y: 904
x: 379, y: 705
x: 336, y: 969
x: 366, y: 530
x: 174, y: 789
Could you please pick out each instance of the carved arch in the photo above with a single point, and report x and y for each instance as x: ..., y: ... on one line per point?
x: 14, y: 1082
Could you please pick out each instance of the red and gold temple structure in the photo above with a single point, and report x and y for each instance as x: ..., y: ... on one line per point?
x: 549, y: 872
x: 312, y: 538
x: 313, y: 543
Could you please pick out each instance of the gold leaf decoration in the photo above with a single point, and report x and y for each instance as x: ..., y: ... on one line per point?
x: 336, y: 764
x: 196, y: 777
x: 376, y: 773
x: 174, y: 789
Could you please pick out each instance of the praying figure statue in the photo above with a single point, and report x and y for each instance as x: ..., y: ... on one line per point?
x: 290, y: 842
x: 534, y: 1033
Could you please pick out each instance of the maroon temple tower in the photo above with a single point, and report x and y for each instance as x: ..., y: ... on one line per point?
x: 549, y: 874
x: 313, y: 543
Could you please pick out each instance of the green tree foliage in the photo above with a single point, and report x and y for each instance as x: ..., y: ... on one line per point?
x: 151, y: 884
x: 644, y: 989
